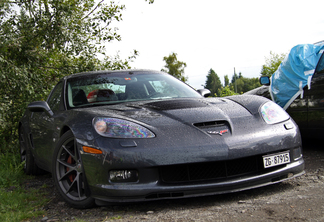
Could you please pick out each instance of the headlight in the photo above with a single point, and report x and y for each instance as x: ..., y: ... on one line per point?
x: 273, y: 113
x: 117, y: 128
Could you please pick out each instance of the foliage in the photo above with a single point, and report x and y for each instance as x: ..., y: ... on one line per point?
x: 235, y: 77
x: 16, y: 204
x: 20, y: 205
x: 227, y: 91
x: 175, y: 67
x: 11, y: 173
x: 213, y: 83
x: 272, y: 64
x: 238, y: 85
x: 42, y: 41
x: 242, y: 84
x: 226, y: 80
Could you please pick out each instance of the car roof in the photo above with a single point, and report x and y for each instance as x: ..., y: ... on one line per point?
x: 130, y: 71
x: 319, y: 42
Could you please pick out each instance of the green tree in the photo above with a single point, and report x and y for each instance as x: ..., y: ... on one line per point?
x: 272, y: 63
x: 213, y: 83
x: 235, y: 77
x: 42, y: 41
x: 241, y: 84
x: 227, y: 91
x: 175, y: 67
x: 226, y: 80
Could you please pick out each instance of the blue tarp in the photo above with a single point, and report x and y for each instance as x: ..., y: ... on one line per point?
x: 294, y: 73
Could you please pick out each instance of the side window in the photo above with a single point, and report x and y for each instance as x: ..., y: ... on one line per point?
x: 55, y: 97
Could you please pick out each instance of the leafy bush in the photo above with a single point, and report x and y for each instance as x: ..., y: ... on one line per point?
x: 11, y: 168
x: 16, y: 203
x: 42, y: 41
x: 227, y: 91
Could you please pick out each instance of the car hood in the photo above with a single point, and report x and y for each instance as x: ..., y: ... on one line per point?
x: 188, y: 111
x: 187, y: 115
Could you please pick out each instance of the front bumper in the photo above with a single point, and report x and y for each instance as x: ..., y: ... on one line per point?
x: 147, y: 192
x: 150, y: 156
x: 152, y: 188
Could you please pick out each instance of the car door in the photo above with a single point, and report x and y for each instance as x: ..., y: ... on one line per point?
x: 315, y: 100
x: 43, y: 128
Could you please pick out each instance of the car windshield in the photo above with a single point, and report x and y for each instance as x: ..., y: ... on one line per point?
x: 117, y: 87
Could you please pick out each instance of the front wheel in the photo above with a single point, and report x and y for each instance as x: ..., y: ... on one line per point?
x: 68, y: 173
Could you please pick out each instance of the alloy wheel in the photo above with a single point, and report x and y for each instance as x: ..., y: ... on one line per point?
x: 69, y: 171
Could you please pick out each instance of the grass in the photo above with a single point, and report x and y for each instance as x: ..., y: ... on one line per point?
x: 11, y: 170
x: 16, y: 203
x: 19, y: 205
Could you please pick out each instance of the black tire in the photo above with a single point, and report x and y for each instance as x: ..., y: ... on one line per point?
x: 30, y: 167
x: 68, y: 173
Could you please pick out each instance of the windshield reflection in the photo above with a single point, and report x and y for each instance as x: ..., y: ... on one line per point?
x: 102, y: 89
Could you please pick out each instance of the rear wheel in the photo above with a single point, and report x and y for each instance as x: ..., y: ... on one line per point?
x: 30, y: 167
x: 68, y: 173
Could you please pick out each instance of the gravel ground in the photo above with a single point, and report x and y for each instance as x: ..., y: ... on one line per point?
x: 298, y: 199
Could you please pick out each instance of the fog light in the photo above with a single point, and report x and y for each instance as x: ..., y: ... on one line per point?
x: 120, y: 176
x: 297, y: 153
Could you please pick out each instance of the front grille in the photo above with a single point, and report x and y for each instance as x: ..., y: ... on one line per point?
x: 219, y: 170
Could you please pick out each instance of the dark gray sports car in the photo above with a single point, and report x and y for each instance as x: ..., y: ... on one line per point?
x: 139, y: 135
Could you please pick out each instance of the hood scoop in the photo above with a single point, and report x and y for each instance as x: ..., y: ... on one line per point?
x: 211, y: 124
x: 176, y: 104
x: 218, y: 128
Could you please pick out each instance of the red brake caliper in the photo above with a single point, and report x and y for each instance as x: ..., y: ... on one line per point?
x: 70, y: 161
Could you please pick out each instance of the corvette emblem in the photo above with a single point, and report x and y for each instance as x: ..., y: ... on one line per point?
x: 218, y: 132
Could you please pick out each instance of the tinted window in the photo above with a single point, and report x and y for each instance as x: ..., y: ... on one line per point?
x: 55, y: 97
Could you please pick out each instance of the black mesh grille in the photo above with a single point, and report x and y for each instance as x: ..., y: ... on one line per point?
x: 213, y: 170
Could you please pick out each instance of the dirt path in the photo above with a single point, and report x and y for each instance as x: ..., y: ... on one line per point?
x: 299, y: 199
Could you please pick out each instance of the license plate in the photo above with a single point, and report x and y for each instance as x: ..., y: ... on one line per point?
x: 276, y: 159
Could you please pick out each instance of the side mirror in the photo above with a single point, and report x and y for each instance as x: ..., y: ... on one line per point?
x: 265, y: 80
x: 204, y: 92
x: 40, y: 106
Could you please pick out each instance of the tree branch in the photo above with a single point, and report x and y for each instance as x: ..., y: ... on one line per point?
x: 93, y: 9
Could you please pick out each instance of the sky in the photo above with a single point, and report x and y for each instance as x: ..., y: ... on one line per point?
x: 211, y: 34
